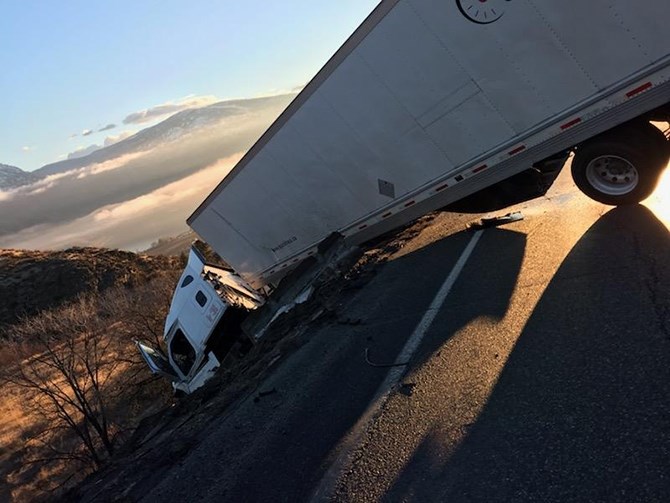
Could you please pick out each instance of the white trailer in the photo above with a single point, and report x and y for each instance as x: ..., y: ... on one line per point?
x: 430, y: 101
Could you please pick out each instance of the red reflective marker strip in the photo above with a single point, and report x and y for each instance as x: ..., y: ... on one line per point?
x: 480, y: 168
x: 407, y: 205
x: 517, y: 150
x: 442, y: 187
x: 573, y: 122
x: 362, y: 227
x: 386, y: 215
x: 639, y: 90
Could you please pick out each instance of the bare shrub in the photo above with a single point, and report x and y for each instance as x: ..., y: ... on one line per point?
x: 141, y: 311
x: 65, y: 380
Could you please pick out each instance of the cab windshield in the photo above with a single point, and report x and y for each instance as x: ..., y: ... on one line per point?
x: 182, y: 352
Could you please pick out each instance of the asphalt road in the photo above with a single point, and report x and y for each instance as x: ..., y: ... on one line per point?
x: 543, y: 375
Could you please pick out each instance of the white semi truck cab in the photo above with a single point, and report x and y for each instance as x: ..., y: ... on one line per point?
x: 203, y: 323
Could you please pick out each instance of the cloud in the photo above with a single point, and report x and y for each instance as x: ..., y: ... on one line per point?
x: 169, y: 108
x: 131, y: 224
x: 82, y: 151
x: 32, y: 189
x: 86, y: 132
x: 187, y: 188
x: 112, y: 139
x: 51, y: 181
x: 73, y: 135
x: 112, y: 164
x: 26, y: 149
x: 107, y: 127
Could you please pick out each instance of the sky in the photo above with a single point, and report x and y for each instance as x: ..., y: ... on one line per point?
x: 80, y: 73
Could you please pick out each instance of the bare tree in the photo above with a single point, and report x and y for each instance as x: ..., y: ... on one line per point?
x: 65, y: 378
x: 141, y: 311
x: 77, y: 362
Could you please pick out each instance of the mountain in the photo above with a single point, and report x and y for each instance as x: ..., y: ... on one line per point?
x: 12, y: 177
x: 176, y: 127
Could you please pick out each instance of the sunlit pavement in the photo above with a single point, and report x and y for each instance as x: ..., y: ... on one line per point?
x: 659, y: 202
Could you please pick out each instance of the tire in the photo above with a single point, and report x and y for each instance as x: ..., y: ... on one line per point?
x: 656, y: 142
x: 618, y: 169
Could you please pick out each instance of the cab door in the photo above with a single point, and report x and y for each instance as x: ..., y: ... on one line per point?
x: 157, y: 361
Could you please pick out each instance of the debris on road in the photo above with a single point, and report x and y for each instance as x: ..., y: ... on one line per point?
x: 487, y: 222
x: 263, y: 394
x: 350, y: 321
x: 382, y: 365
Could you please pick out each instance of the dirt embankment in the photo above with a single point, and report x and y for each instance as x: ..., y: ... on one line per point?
x: 31, y: 281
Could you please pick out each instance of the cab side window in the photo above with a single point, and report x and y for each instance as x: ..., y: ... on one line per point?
x: 201, y: 298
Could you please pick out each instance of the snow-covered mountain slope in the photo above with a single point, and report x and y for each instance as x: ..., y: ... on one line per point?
x: 12, y: 177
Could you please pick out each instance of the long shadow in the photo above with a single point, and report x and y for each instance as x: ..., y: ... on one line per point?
x: 480, y: 292
x: 581, y: 411
x: 488, y: 291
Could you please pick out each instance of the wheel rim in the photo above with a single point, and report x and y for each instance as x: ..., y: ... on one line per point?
x: 612, y: 175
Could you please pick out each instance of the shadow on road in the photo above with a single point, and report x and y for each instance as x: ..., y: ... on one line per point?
x: 581, y: 410
x: 480, y: 292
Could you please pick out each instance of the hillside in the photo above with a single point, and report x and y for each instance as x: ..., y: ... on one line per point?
x: 12, y: 177
x: 31, y: 281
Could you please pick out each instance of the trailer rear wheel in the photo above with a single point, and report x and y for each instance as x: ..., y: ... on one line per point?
x: 617, y: 169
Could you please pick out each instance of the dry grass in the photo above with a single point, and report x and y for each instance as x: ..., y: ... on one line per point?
x: 20, y: 479
x: 15, y: 428
x: 27, y: 470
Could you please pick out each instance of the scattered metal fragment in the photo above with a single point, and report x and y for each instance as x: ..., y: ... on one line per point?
x: 262, y: 394
x: 487, y: 222
x: 382, y: 365
x: 274, y: 360
x: 350, y: 321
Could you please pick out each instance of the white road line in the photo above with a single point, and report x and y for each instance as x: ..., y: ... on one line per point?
x: 327, y: 485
